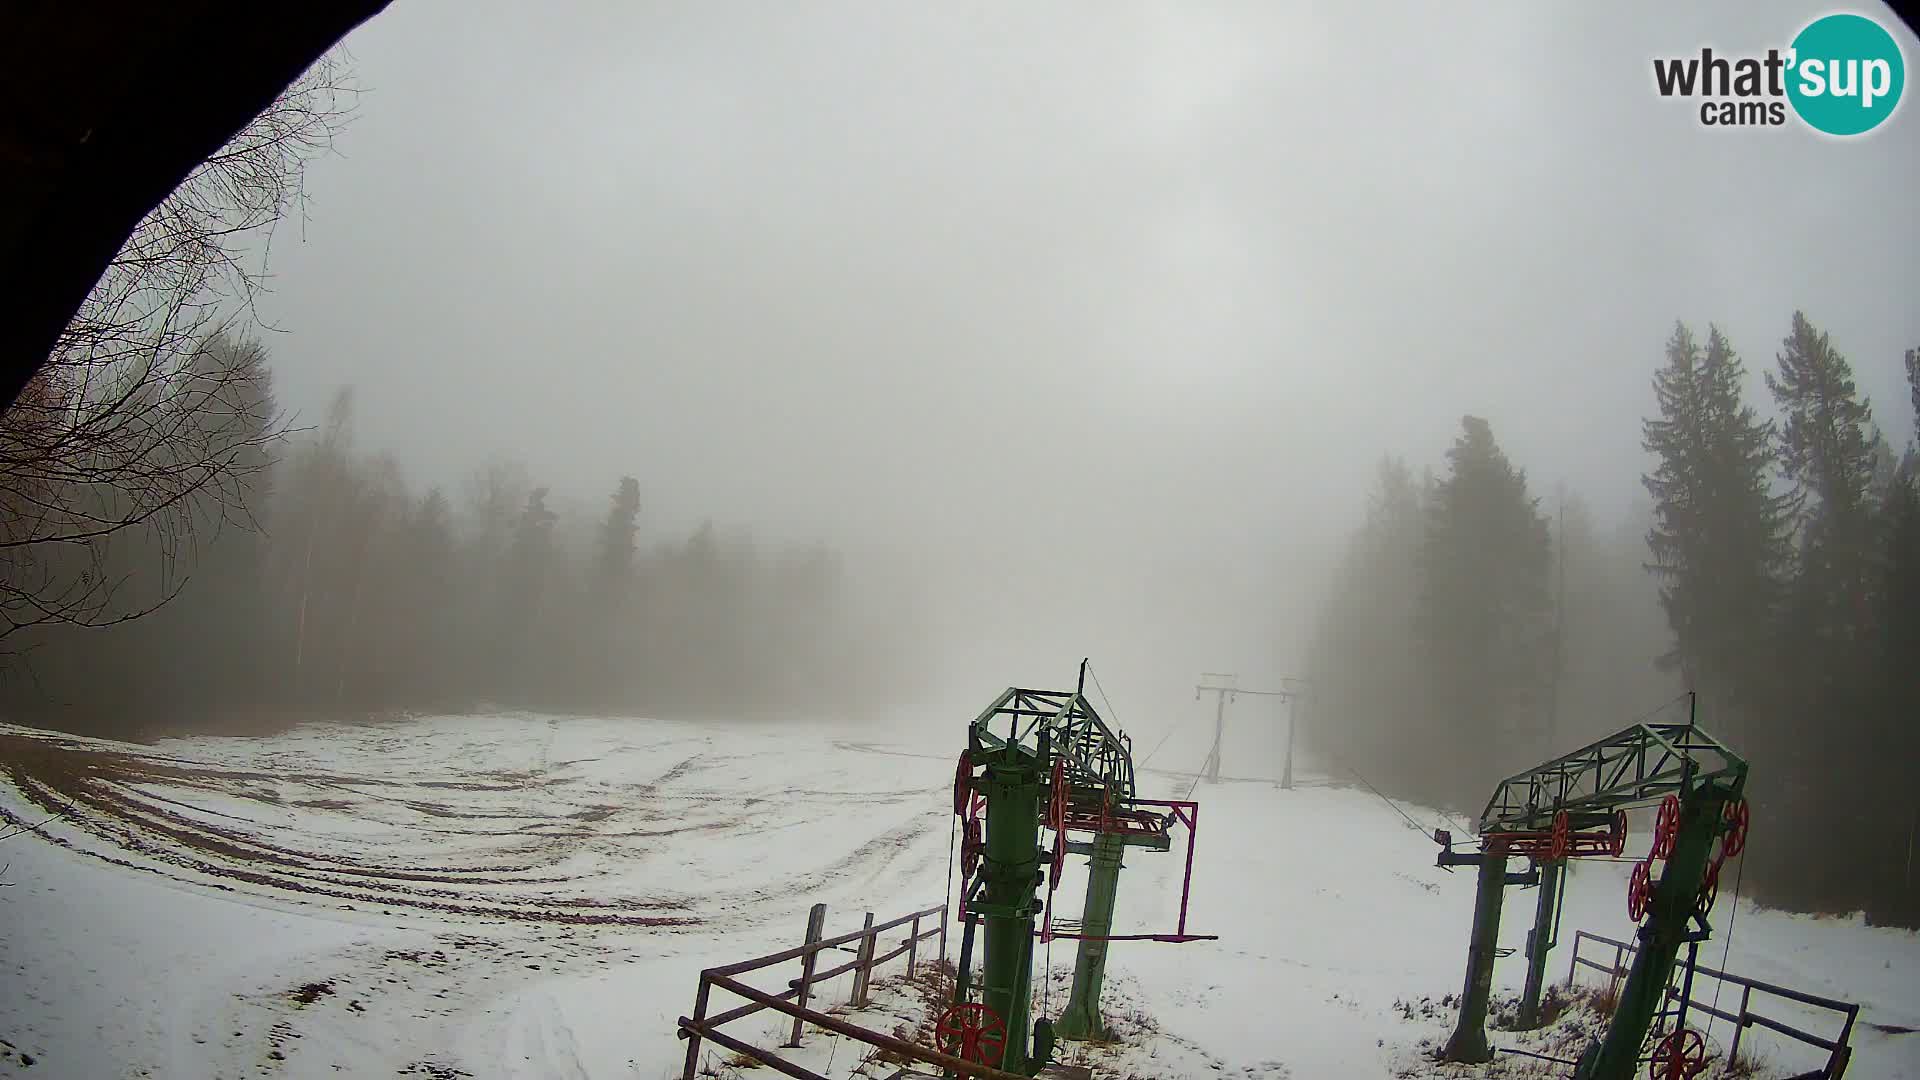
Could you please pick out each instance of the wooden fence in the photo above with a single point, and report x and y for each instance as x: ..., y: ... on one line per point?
x: 793, y: 1001
x: 1837, y: 1048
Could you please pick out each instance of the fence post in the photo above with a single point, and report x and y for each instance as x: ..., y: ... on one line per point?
x: 1740, y: 1028
x: 816, y: 921
x: 913, y: 945
x: 1574, y: 960
x: 1613, y: 977
x: 693, y: 1037
x: 943, y: 933
x: 864, y: 965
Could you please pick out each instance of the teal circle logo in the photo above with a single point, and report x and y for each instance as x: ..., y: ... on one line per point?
x: 1846, y: 74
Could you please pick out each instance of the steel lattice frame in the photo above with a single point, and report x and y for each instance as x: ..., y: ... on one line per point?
x: 1097, y: 757
x: 1630, y: 768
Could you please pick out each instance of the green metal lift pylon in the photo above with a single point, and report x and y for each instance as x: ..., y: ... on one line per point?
x: 1469, y: 1040
x: 1542, y: 938
x: 1010, y: 870
x: 1081, y: 1018
x: 1053, y: 750
x: 1634, y: 767
x: 1702, y: 816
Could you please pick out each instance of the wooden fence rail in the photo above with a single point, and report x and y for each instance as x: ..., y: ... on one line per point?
x: 867, y: 957
x: 1837, y: 1048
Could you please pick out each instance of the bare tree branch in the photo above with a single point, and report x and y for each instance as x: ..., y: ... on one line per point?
x: 153, y: 415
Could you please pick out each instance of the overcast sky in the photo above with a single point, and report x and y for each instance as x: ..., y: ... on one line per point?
x: 1098, y: 313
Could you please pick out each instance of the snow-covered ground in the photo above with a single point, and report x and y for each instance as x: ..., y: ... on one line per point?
x: 509, y: 896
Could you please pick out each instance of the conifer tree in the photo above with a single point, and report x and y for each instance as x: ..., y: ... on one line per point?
x: 1828, y: 450
x: 1720, y: 541
x: 1484, y: 619
x: 1895, y: 897
x: 1362, y: 666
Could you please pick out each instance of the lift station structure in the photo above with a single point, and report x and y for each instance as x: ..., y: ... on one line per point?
x: 1034, y: 759
x: 1573, y: 807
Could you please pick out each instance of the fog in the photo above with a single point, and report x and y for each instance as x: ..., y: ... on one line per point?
x: 1085, y: 325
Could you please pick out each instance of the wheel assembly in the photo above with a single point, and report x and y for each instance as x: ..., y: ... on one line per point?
x: 1617, y: 836
x: 972, y: 847
x: 1679, y: 1056
x: 1059, y: 860
x: 1709, y: 890
x: 1666, y: 827
x: 1734, y: 840
x: 962, y: 782
x: 1639, y: 891
x: 972, y: 1032
x: 1562, y: 837
x: 1057, y: 798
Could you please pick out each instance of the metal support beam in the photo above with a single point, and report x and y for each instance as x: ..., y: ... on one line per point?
x: 1219, y: 735
x: 1469, y: 1042
x: 1081, y: 1020
x: 1540, y: 940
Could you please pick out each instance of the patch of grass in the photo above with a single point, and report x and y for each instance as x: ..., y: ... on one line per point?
x: 1742, y: 1066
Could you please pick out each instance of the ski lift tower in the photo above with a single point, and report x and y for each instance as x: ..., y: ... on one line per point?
x: 1225, y: 689
x: 1575, y: 806
x: 1044, y: 758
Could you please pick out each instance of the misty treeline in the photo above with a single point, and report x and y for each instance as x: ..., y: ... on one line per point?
x: 1478, y: 627
x: 332, y: 586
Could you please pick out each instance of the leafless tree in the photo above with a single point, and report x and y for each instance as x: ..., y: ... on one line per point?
x: 152, y: 414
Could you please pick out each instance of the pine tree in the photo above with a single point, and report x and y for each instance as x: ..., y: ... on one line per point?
x: 1484, y: 619
x: 617, y: 533
x: 1362, y: 665
x: 430, y: 584
x: 1895, y: 897
x: 606, y: 672
x: 1720, y: 540
x: 1828, y: 449
x: 523, y: 576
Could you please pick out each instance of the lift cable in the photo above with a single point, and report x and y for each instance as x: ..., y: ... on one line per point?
x: 1104, y: 700
x: 946, y: 897
x: 1163, y: 741
x: 1345, y: 764
x: 1732, y: 914
x: 1660, y: 708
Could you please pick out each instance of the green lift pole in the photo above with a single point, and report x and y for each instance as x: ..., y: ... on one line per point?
x: 1469, y: 1042
x: 1701, y: 809
x: 1081, y: 1020
x: 1540, y: 940
x: 1012, y: 870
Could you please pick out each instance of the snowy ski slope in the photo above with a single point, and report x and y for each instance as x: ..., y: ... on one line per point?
x: 520, y: 896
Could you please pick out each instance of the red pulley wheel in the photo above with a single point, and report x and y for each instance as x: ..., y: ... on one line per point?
x: 1734, y: 841
x: 1709, y: 890
x: 972, y: 1032
x: 1562, y: 837
x: 971, y: 848
x: 1059, y: 860
x: 1666, y: 826
x: 1679, y: 1056
x: 1057, y: 802
x: 962, y: 782
x: 1639, y: 891
x: 1617, y: 838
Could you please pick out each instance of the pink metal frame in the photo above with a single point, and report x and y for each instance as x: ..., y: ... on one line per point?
x: 1185, y: 812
